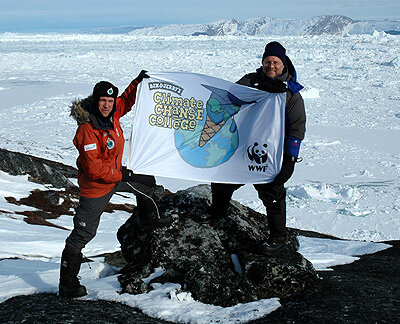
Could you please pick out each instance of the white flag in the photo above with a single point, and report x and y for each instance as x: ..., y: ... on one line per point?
x: 197, y: 127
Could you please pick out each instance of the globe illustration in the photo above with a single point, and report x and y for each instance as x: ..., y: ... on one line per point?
x: 215, y: 138
x: 213, y: 153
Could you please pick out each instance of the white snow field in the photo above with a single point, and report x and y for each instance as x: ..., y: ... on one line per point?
x: 347, y: 186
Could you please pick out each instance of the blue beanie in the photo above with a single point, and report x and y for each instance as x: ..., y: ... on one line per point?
x: 275, y: 49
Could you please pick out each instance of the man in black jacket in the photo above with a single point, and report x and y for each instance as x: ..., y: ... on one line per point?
x: 277, y: 74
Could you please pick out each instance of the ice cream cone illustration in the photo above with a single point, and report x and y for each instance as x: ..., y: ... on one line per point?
x: 209, y: 130
x: 221, y: 106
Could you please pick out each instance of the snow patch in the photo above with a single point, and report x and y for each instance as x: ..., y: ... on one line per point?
x: 311, y: 93
x: 326, y: 192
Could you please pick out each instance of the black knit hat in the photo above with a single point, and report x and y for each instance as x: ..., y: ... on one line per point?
x: 275, y: 49
x: 105, y: 89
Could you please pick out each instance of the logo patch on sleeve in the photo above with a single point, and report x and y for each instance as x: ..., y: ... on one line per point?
x: 90, y: 147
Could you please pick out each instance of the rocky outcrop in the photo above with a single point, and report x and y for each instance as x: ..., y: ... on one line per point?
x: 50, y: 203
x: 40, y: 170
x: 268, y: 26
x: 331, y: 25
x: 365, y: 291
x: 218, y: 263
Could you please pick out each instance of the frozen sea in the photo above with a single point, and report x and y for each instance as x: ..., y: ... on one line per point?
x: 347, y: 185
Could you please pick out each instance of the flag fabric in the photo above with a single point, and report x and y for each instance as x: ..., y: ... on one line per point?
x: 197, y: 127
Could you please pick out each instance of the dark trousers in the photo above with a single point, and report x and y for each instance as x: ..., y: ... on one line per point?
x: 89, y: 210
x: 273, y: 197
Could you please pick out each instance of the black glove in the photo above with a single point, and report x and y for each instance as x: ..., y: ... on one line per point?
x: 127, y: 174
x: 142, y: 74
x: 286, y: 170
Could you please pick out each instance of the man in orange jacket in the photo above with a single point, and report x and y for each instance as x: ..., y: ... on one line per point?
x: 100, y: 142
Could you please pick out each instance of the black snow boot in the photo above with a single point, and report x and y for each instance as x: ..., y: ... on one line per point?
x: 148, y: 215
x: 275, y: 243
x: 69, y: 283
x: 149, y: 221
x: 212, y: 214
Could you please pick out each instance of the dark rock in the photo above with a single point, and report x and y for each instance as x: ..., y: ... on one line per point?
x: 116, y: 259
x: 49, y: 204
x: 329, y: 25
x: 40, y: 170
x: 50, y: 308
x: 365, y: 291
x: 201, y: 257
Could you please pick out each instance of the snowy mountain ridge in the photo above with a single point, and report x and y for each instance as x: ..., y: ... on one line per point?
x: 264, y: 26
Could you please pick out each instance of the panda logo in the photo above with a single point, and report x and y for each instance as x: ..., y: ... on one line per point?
x: 258, y: 153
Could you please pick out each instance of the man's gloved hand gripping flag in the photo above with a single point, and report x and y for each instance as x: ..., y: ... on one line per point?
x: 197, y: 127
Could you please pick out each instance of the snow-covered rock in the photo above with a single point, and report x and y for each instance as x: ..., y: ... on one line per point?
x: 220, y: 263
x: 265, y: 26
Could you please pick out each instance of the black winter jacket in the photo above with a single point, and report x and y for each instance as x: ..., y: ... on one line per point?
x: 295, y: 115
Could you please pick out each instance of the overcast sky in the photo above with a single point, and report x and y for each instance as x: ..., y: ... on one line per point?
x: 75, y: 15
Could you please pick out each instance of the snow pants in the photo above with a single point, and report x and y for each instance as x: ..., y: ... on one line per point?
x: 272, y: 195
x: 89, y: 210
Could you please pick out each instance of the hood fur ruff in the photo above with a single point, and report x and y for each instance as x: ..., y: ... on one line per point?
x: 79, y: 110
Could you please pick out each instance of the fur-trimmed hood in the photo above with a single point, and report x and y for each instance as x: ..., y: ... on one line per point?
x: 80, y: 110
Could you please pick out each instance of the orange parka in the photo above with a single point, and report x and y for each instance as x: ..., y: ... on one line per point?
x: 100, y: 148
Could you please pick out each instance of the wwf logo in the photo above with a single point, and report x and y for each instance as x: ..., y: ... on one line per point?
x: 258, y: 153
